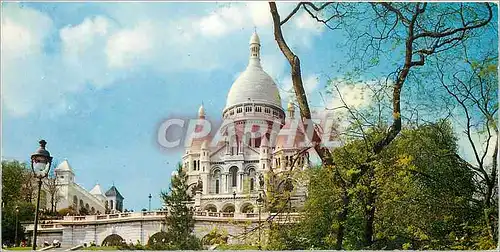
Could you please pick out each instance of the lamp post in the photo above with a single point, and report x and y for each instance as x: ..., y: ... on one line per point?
x: 150, y: 201
x: 40, y: 165
x: 260, y: 200
x: 15, y: 235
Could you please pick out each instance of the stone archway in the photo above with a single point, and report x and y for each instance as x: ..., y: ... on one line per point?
x: 247, y: 208
x: 210, y: 208
x: 113, y: 240
x: 229, y: 208
x: 158, y: 240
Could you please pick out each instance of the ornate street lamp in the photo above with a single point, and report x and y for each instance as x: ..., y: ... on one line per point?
x: 15, y: 235
x: 150, y: 201
x: 40, y: 165
x: 260, y: 201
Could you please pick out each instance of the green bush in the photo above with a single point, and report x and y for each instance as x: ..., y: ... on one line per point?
x: 237, y: 247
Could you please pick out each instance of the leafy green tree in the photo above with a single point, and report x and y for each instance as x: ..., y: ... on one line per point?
x: 179, y: 220
x: 423, y: 197
x: 424, y: 191
x: 26, y: 213
x: 14, y: 176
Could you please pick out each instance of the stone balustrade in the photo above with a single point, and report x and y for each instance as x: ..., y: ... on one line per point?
x: 158, y: 215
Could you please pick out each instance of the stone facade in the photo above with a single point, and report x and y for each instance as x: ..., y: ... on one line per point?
x: 228, y: 175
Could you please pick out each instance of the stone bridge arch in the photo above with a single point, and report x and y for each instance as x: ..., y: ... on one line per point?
x: 112, y: 240
x: 158, y: 239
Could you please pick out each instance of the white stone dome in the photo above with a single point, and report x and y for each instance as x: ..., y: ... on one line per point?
x: 254, y: 84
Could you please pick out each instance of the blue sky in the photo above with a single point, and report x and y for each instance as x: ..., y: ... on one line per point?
x: 96, y: 79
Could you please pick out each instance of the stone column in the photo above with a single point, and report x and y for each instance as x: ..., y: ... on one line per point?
x: 224, y: 183
x: 239, y: 184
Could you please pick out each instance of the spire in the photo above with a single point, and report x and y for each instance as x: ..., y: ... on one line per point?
x: 64, y: 166
x: 201, y: 112
x: 254, y: 50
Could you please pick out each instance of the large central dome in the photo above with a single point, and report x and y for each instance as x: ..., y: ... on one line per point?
x: 254, y: 84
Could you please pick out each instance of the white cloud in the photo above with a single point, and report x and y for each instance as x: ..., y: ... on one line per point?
x: 305, y: 22
x: 23, y: 65
x: 274, y: 64
x: 101, y: 50
x: 23, y: 31
x: 260, y: 13
x: 355, y: 95
x: 221, y: 21
x: 311, y: 83
x: 130, y: 46
x: 78, y: 40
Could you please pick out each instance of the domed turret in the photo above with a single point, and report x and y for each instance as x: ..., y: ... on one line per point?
x: 201, y: 112
x: 254, y: 85
x: 255, y: 39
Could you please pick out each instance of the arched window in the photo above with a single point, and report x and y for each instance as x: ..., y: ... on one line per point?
x: 251, y: 177
x: 216, y: 181
x: 233, y: 171
x: 111, y: 204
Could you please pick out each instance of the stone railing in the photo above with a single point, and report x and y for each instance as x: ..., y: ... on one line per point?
x: 158, y: 215
x: 44, y: 227
x: 114, y: 216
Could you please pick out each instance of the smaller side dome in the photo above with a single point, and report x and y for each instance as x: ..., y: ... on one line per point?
x: 201, y: 111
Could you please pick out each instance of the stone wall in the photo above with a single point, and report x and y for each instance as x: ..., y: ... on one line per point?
x: 140, y: 226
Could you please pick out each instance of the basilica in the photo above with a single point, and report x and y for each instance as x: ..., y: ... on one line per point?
x: 230, y: 175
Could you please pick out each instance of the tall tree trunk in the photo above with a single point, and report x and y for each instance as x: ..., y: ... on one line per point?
x: 300, y: 94
x: 369, y: 210
x: 490, y: 213
x: 342, y: 218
